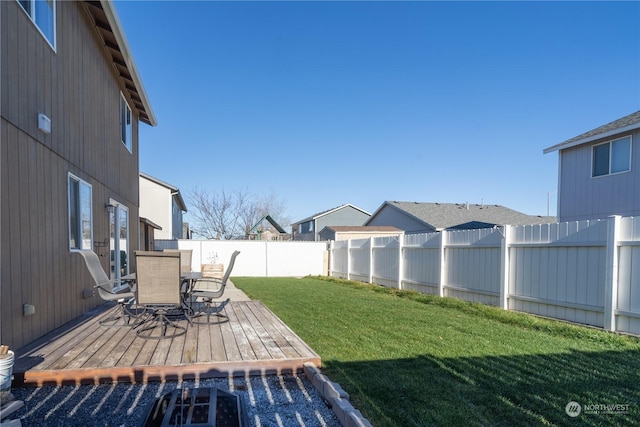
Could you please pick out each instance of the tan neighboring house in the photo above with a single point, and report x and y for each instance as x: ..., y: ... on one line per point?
x: 162, y: 204
x: 71, y: 104
x: 346, y: 232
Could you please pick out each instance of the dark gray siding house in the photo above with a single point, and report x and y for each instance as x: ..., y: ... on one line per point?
x: 347, y: 232
x: 416, y: 217
x: 599, y: 172
x: 71, y: 104
x: 309, y: 228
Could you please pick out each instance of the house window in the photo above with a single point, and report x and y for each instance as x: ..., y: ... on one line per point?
x: 125, y: 123
x: 612, y: 157
x: 80, y: 215
x: 43, y: 15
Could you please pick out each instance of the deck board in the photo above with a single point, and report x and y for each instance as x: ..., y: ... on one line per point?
x: 251, y: 340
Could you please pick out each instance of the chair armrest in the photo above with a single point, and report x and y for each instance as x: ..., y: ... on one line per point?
x: 107, y: 286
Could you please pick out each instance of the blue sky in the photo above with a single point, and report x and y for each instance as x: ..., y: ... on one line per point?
x: 326, y: 103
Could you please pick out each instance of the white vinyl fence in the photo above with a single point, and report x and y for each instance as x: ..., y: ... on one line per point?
x: 582, y: 272
x: 257, y: 259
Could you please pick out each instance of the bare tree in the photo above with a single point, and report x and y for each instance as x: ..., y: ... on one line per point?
x: 260, y: 206
x: 229, y: 215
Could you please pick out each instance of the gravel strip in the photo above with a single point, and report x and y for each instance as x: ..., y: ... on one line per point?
x: 284, y: 400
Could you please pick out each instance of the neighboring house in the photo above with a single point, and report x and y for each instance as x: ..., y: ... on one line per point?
x: 162, y: 204
x: 71, y: 104
x: 267, y: 229
x: 415, y: 217
x: 148, y: 234
x: 307, y: 229
x: 347, y: 232
x: 599, y: 172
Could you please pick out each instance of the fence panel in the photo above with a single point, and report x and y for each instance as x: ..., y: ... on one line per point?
x: 257, y: 258
x: 421, y: 263
x: 473, y: 265
x: 360, y: 260
x: 628, y: 301
x: 339, y: 259
x: 558, y: 270
x: 385, y: 254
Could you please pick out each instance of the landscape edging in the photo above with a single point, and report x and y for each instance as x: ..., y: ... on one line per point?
x: 336, y: 398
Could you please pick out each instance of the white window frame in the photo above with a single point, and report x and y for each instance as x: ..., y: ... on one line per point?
x: 116, y: 241
x: 32, y: 13
x: 126, y: 123
x: 610, y: 143
x: 82, y: 243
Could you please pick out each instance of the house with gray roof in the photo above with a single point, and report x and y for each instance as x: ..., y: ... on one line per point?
x: 348, y: 214
x: 417, y: 217
x: 346, y: 232
x: 599, y: 173
x: 267, y: 228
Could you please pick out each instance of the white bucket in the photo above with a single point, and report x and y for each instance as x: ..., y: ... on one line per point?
x: 6, y: 372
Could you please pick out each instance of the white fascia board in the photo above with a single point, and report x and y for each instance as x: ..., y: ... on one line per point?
x: 341, y: 207
x: 118, y: 33
x: 591, y: 138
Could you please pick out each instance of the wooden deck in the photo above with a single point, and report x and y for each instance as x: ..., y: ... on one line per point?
x: 253, y: 341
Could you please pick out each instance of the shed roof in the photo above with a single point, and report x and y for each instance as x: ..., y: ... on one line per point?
x: 175, y: 191
x: 442, y: 216
x: 626, y: 123
x: 110, y: 31
x: 328, y: 211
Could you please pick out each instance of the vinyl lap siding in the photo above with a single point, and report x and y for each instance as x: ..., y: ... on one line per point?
x: 584, y: 197
x: 76, y: 87
x: 393, y: 217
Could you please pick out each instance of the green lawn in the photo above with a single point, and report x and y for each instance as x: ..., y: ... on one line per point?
x: 408, y: 359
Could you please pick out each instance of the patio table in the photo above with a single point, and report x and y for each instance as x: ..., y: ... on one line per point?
x: 187, y: 282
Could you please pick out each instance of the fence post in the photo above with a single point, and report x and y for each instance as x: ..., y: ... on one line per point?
x: 611, y: 273
x: 331, y: 248
x: 504, y: 267
x: 443, y: 263
x: 400, y: 260
x: 349, y: 259
x: 370, y: 259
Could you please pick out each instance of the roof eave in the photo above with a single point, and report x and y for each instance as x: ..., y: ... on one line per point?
x: 181, y: 203
x: 410, y: 215
x: 118, y: 33
x: 338, y: 208
x: 565, y: 145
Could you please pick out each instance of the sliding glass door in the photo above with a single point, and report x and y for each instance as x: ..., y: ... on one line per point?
x: 119, y: 239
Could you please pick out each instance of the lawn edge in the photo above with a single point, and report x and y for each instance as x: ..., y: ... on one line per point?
x: 337, y: 399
